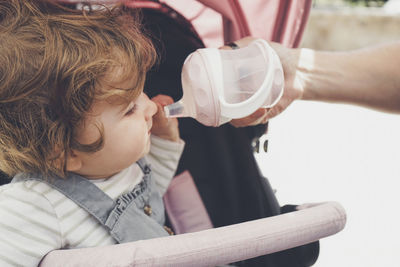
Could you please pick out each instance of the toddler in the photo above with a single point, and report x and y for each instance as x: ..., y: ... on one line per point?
x: 77, y: 132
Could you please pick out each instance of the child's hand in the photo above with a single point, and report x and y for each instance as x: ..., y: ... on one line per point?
x: 163, y: 127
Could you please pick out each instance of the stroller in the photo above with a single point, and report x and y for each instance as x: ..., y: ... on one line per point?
x: 198, y: 244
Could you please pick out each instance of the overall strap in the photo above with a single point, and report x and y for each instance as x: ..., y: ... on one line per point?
x: 144, y: 166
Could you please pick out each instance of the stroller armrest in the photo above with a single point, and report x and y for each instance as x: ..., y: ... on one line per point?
x: 213, y: 246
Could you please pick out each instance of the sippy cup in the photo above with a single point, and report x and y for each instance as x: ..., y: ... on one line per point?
x: 220, y: 85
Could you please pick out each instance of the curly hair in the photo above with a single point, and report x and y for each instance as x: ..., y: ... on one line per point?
x: 53, y: 60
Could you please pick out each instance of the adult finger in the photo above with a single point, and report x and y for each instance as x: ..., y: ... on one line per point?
x: 253, y: 119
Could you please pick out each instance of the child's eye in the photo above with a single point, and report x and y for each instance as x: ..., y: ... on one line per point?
x: 131, y: 110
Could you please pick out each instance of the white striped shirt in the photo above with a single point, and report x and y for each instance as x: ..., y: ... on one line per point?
x: 35, y: 218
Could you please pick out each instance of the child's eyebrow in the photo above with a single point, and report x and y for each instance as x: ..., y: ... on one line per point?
x: 127, y: 106
x: 123, y: 108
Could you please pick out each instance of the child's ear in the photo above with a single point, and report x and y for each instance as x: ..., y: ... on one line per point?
x: 74, y: 162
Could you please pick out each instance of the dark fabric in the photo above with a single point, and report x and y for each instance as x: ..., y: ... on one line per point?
x: 4, y: 179
x: 221, y: 160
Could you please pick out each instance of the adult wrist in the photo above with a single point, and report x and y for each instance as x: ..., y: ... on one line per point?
x: 305, y: 79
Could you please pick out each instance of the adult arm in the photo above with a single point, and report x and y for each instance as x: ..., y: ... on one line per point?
x: 368, y: 77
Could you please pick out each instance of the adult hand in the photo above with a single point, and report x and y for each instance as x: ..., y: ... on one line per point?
x: 257, y: 117
x: 293, y: 88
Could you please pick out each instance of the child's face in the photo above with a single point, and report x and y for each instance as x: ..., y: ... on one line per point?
x: 126, y: 137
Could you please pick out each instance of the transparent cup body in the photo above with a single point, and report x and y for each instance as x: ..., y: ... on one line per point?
x: 215, y: 82
x: 243, y: 73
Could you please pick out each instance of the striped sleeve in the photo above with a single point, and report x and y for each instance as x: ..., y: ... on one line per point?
x: 29, y: 228
x: 164, y: 158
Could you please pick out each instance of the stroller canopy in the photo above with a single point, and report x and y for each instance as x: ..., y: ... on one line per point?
x: 280, y: 21
x: 221, y: 21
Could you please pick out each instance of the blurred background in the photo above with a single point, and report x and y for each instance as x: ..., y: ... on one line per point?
x: 316, y: 152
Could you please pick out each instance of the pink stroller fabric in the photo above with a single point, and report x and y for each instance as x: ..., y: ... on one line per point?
x: 185, y: 207
x: 214, y: 246
x: 222, y: 21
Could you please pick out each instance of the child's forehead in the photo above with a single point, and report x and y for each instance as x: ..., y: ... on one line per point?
x: 119, y: 86
x: 118, y: 101
x: 112, y: 106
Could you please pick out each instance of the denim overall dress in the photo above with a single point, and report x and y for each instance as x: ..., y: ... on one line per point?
x: 136, y: 215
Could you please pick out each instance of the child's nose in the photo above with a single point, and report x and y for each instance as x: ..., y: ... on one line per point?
x: 151, y: 109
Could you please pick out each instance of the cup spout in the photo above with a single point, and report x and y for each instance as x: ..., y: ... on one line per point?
x: 176, y: 110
